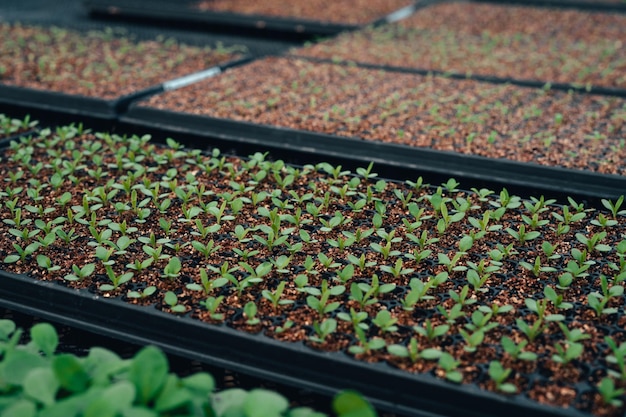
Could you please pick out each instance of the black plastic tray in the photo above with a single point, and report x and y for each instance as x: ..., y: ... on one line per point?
x: 577, y: 4
x: 295, y: 364
x: 178, y: 11
x: 391, y: 160
x: 44, y: 104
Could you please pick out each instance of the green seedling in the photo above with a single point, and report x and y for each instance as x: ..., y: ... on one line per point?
x: 556, y: 299
x: 610, y: 393
x: 456, y: 312
x: 499, y: 375
x: 139, y: 265
x: 413, y: 352
x: 516, y: 350
x: 385, y: 322
x: 323, y: 330
x: 116, y: 280
x: 275, y: 298
x: 250, y: 313
x: 614, y: 207
x: 172, y: 269
x: 143, y: 294
x: 44, y: 262
x: 431, y: 332
x: 449, y: 366
x: 319, y: 299
x: 80, y: 273
x: 212, y: 304
x: 598, y: 301
x: 567, y: 352
x: 171, y: 300
x: 357, y: 318
x: 365, y: 345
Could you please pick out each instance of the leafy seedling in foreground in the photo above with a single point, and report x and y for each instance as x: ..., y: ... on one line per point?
x: 250, y: 311
x: 516, y: 350
x: 498, y: 375
x: 116, y: 280
x: 610, y: 393
x: 413, y: 352
x: 145, y: 293
x: 172, y: 269
x: 365, y: 345
x: 80, y: 273
x: 323, y: 330
x: 171, y: 299
x: 212, y: 304
x: 449, y: 366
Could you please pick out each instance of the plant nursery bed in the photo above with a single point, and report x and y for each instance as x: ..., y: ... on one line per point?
x: 95, y: 74
x: 319, y: 278
x: 533, y: 45
x: 311, y: 18
x: 535, y: 138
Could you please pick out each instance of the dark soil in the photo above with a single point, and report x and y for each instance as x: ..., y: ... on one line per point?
x: 546, y: 127
x: 102, y: 173
x: 339, y: 11
x: 519, y: 42
x: 96, y: 64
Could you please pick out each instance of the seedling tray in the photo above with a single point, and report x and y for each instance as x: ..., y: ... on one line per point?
x: 107, y: 74
x: 244, y: 131
x: 170, y: 297
x: 71, y: 282
x: 260, y: 356
x: 494, y: 42
x: 49, y: 104
x: 395, y: 161
x: 184, y: 12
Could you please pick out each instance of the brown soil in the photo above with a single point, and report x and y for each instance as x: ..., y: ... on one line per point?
x: 548, y: 45
x: 214, y: 179
x: 499, y: 121
x: 95, y: 64
x: 343, y: 11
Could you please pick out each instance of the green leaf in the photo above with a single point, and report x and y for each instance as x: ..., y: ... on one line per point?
x: 398, y: 350
x: 101, y: 364
x: 7, y: 327
x: 352, y: 404
x: 148, y: 372
x: 430, y: 354
x: 22, y: 408
x: 139, y: 412
x: 45, y: 337
x: 508, y: 388
x: 172, y: 395
x: 170, y: 298
x: 41, y: 385
x: 112, y: 400
x: 11, y: 259
x: 16, y: 366
x: 229, y: 401
x: 200, y: 382
x: 264, y: 403
x: 70, y: 372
